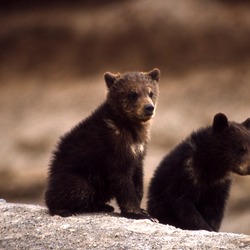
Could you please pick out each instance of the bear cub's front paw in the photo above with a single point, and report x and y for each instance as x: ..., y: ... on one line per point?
x: 141, y: 215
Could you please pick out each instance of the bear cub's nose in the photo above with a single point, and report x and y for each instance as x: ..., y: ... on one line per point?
x: 149, y: 109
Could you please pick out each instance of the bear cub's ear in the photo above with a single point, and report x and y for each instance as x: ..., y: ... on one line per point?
x: 220, y: 122
x: 246, y: 123
x: 154, y: 74
x: 110, y: 78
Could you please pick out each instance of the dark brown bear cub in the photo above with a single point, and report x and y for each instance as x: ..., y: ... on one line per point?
x: 102, y: 157
x: 191, y: 185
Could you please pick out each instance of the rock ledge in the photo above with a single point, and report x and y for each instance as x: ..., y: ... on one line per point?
x: 30, y: 227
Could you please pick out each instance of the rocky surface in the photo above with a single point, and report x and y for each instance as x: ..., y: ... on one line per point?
x: 30, y: 227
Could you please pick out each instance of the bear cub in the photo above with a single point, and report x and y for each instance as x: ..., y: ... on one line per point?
x: 101, y: 158
x: 191, y: 185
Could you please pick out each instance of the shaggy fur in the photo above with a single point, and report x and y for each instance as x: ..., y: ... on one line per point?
x: 191, y: 185
x: 102, y: 157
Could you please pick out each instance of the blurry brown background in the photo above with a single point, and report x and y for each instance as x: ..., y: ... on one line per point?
x: 53, y: 55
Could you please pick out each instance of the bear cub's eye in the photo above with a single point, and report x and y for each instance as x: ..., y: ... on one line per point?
x: 242, y: 149
x: 133, y: 96
x: 151, y: 94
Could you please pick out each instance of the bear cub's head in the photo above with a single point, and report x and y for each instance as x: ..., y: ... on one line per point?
x: 232, y: 143
x: 133, y: 95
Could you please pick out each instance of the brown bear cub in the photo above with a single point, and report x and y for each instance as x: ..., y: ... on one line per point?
x: 101, y: 158
x: 191, y: 185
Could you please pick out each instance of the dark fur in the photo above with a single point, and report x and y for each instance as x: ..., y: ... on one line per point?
x: 102, y: 157
x: 191, y: 185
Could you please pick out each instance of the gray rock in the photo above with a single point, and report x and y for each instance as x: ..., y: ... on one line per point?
x: 31, y: 227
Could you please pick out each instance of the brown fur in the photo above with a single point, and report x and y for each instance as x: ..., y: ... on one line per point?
x: 102, y: 157
x: 191, y: 185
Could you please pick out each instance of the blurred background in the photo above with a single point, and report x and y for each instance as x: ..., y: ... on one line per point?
x: 53, y: 55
